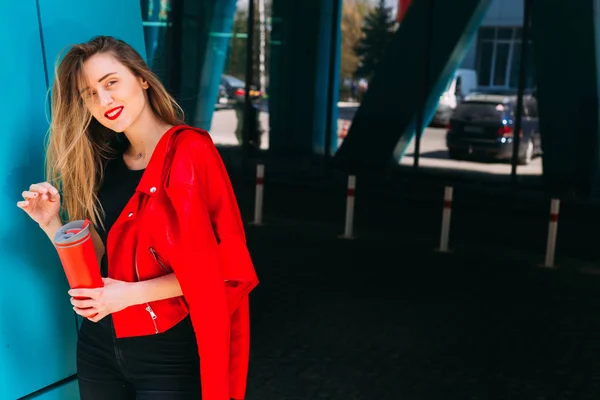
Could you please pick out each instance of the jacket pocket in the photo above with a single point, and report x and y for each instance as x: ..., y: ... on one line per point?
x: 159, y: 260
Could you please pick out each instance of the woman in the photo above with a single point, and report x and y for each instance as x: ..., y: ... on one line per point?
x: 172, y: 320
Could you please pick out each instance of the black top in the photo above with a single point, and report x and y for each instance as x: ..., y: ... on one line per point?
x: 117, y: 188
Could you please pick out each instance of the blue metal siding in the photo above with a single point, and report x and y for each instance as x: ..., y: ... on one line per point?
x: 37, y: 325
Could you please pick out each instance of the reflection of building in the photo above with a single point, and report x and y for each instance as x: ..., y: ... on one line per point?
x: 495, y: 52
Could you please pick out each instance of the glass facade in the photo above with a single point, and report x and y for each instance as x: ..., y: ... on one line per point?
x: 498, y: 58
x: 197, y: 53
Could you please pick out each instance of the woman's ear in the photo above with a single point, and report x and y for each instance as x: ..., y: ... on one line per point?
x: 144, y: 83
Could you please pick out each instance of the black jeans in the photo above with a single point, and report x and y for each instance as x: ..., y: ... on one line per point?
x: 163, y: 366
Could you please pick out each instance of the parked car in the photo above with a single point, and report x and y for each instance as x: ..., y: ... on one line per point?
x: 234, y: 89
x: 462, y: 84
x: 483, y: 124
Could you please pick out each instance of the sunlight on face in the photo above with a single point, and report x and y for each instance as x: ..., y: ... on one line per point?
x: 112, y: 93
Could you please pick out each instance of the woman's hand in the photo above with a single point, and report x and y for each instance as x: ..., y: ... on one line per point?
x: 42, y: 203
x: 95, y: 304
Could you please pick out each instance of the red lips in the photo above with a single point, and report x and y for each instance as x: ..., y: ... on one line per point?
x: 113, y: 113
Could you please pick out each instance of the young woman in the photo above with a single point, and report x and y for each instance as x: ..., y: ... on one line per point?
x: 171, y: 321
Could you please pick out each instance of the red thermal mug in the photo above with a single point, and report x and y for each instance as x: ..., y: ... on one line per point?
x: 75, y: 248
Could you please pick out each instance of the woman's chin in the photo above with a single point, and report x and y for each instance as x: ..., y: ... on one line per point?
x: 117, y: 126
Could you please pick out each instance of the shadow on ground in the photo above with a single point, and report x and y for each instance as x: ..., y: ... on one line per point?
x: 368, y: 319
x: 384, y: 316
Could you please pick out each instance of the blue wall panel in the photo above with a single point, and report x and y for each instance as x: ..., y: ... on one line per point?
x: 37, y: 326
x: 68, y: 391
x: 37, y: 335
x: 122, y: 19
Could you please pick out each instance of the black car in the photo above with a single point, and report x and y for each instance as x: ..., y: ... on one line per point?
x: 234, y: 89
x: 483, y: 124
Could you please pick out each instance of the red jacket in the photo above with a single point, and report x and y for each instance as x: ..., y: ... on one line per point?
x: 184, y: 218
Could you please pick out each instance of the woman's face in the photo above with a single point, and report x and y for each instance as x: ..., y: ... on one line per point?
x: 112, y: 93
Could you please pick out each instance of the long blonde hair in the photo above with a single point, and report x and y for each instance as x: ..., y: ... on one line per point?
x: 78, y: 144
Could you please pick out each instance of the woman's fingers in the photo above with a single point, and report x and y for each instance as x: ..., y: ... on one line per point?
x: 90, y: 313
x: 29, y: 195
x: 86, y: 312
x: 38, y: 187
x: 45, y: 190
x: 50, y: 188
x: 85, y: 293
x: 52, y: 193
x: 22, y: 204
x: 83, y: 303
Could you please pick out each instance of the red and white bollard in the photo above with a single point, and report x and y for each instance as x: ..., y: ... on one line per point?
x: 446, y: 214
x: 552, y: 232
x: 258, y: 201
x: 348, y: 231
x: 344, y: 131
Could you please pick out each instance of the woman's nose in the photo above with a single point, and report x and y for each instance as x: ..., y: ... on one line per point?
x: 105, y: 98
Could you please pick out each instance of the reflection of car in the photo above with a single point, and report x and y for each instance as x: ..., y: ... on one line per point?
x: 222, y: 96
x: 484, y: 124
x: 234, y: 89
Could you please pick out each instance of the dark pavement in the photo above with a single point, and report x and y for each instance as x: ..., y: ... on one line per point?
x: 386, y: 317
x: 368, y: 319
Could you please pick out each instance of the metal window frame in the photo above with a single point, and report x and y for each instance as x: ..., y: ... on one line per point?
x: 495, y: 42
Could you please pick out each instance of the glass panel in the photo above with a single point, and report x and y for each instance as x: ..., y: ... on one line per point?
x: 532, y: 108
x: 518, y: 33
x: 505, y: 33
x: 484, y: 64
x: 487, y: 33
x: 501, y: 64
x: 157, y: 25
x: 516, y: 67
x: 227, y: 124
x: 263, y: 37
x: 352, y: 89
x: 530, y: 76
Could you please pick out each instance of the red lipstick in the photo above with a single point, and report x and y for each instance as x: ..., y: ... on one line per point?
x: 113, y: 113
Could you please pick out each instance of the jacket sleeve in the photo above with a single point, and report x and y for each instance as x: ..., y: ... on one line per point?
x: 236, y: 263
x: 212, y: 264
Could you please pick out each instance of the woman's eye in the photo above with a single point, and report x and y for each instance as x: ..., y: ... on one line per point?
x: 111, y: 83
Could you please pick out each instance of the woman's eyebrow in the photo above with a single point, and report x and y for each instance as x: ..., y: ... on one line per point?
x: 99, y: 80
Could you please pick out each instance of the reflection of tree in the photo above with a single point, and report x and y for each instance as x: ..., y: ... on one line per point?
x: 156, y: 16
x: 353, y: 14
x: 236, y: 64
x: 165, y: 7
x: 378, y: 31
x: 236, y: 56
